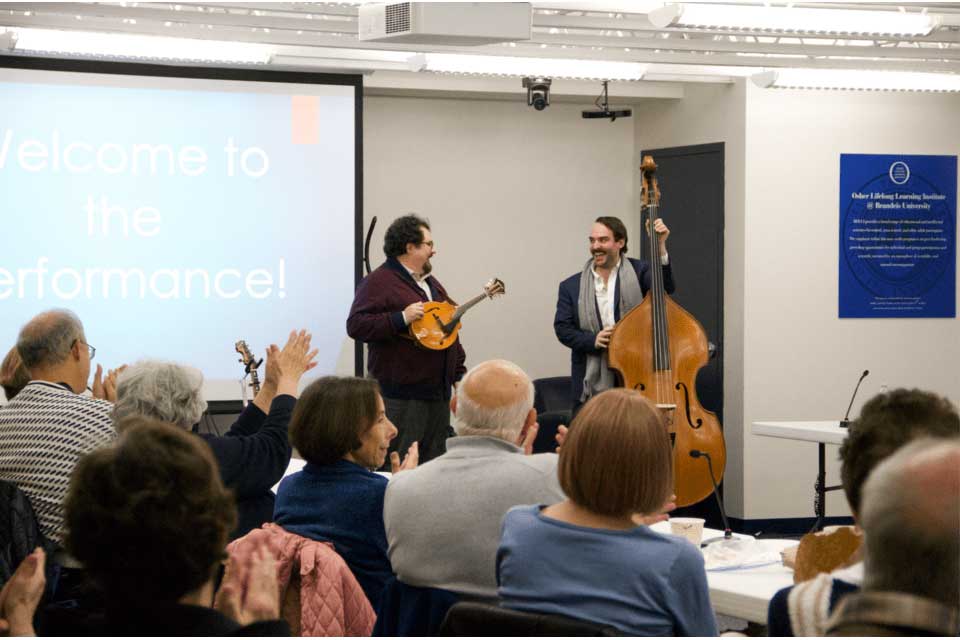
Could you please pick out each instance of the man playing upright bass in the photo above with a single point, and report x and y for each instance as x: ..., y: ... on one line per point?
x: 589, y: 303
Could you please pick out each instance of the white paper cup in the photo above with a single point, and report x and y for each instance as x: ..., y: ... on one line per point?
x: 689, y: 528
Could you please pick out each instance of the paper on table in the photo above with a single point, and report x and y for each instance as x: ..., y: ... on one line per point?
x: 738, y: 553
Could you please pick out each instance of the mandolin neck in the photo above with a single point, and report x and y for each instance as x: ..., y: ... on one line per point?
x: 466, y: 306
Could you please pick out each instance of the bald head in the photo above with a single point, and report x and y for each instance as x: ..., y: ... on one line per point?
x: 911, y: 521
x: 49, y: 348
x: 495, y: 398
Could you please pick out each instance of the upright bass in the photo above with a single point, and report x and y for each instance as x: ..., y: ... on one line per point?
x: 658, y: 348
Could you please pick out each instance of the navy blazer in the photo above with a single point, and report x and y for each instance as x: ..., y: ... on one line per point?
x: 566, y: 323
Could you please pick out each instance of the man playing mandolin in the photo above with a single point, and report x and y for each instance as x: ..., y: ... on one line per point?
x: 415, y: 383
x: 589, y: 303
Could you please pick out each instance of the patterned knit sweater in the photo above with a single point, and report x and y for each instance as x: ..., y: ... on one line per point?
x: 44, y: 431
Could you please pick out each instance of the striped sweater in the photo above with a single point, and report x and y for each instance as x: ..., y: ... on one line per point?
x: 44, y: 431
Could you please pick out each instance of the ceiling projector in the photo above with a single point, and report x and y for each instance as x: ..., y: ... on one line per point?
x: 611, y: 114
x: 603, y: 109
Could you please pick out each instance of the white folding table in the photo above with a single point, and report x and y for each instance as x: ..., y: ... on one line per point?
x: 744, y: 593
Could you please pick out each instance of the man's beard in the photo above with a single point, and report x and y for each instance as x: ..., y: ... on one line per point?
x: 427, y: 268
x: 607, y: 262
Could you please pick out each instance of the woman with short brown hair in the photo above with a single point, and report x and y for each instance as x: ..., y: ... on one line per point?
x: 340, y: 428
x: 587, y: 557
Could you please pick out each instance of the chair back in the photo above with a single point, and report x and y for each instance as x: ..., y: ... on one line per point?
x: 20, y: 534
x: 319, y: 595
x: 477, y: 619
x: 825, y: 551
x: 406, y: 610
x: 552, y: 394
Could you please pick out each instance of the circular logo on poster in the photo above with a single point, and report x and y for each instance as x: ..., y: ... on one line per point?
x: 899, y: 172
x: 896, y: 242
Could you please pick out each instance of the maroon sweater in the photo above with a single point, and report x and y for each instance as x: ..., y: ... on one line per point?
x: 403, y: 369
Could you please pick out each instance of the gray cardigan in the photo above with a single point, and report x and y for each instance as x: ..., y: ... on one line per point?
x: 443, y: 518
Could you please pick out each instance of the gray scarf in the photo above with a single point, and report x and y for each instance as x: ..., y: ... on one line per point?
x: 599, y: 377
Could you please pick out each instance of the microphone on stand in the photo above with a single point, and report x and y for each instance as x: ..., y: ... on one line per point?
x: 846, y: 421
x: 727, y: 532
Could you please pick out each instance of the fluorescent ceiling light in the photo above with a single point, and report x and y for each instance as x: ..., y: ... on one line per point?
x: 519, y: 66
x: 857, y: 80
x: 116, y: 45
x: 794, y: 19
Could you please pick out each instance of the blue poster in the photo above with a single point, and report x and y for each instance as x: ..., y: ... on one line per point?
x: 898, y: 236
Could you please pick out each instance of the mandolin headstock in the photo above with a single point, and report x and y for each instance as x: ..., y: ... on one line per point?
x: 494, y: 288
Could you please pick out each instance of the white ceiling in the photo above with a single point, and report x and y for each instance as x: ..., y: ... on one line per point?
x: 323, y: 36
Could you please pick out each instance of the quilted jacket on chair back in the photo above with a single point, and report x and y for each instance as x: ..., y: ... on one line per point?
x: 329, y: 601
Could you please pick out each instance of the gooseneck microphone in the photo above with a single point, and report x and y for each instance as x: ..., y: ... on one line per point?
x: 846, y: 421
x: 727, y: 532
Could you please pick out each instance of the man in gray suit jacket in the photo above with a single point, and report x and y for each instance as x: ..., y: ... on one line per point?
x: 443, y: 518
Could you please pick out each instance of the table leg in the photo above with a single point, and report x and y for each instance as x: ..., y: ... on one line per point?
x: 820, y: 497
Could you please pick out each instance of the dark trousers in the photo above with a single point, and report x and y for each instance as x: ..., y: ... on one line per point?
x: 424, y: 421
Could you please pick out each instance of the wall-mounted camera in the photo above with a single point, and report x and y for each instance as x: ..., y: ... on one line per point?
x: 538, y: 92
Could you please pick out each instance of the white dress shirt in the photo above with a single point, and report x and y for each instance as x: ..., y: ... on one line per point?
x: 422, y: 283
x: 605, y: 291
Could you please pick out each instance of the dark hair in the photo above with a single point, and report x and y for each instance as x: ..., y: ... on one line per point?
x: 402, y: 231
x: 148, y: 516
x: 331, y: 415
x: 887, y: 422
x: 617, y: 227
x: 13, y: 375
x: 617, y: 458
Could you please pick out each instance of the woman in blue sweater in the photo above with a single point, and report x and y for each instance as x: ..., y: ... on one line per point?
x: 340, y: 428
x: 589, y: 557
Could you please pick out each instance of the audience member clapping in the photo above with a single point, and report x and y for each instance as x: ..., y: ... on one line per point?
x: 586, y: 557
x: 21, y: 594
x: 911, y: 521
x: 886, y: 423
x: 443, y: 518
x: 49, y: 425
x: 340, y: 428
x: 149, y: 519
x: 254, y: 454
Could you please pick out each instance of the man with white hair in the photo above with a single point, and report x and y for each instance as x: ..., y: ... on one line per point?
x: 443, y: 518
x: 911, y: 524
x: 49, y: 425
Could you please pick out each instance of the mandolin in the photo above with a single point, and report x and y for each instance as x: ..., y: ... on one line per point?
x: 250, y: 364
x: 440, y: 324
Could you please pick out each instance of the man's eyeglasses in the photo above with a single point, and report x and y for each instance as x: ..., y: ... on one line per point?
x: 429, y: 243
x: 92, y: 349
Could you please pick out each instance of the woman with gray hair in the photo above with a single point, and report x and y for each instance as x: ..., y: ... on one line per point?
x: 255, y: 452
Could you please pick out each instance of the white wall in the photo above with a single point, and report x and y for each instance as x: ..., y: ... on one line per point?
x: 787, y: 354
x: 509, y: 192
x: 800, y: 360
x: 715, y: 113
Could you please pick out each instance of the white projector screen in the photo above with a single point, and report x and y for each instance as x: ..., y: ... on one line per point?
x: 177, y: 215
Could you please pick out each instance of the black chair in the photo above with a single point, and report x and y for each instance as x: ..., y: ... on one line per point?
x: 551, y: 399
x: 20, y: 534
x: 552, y: 394
x: 476, y: 619
x: 406, y: 610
